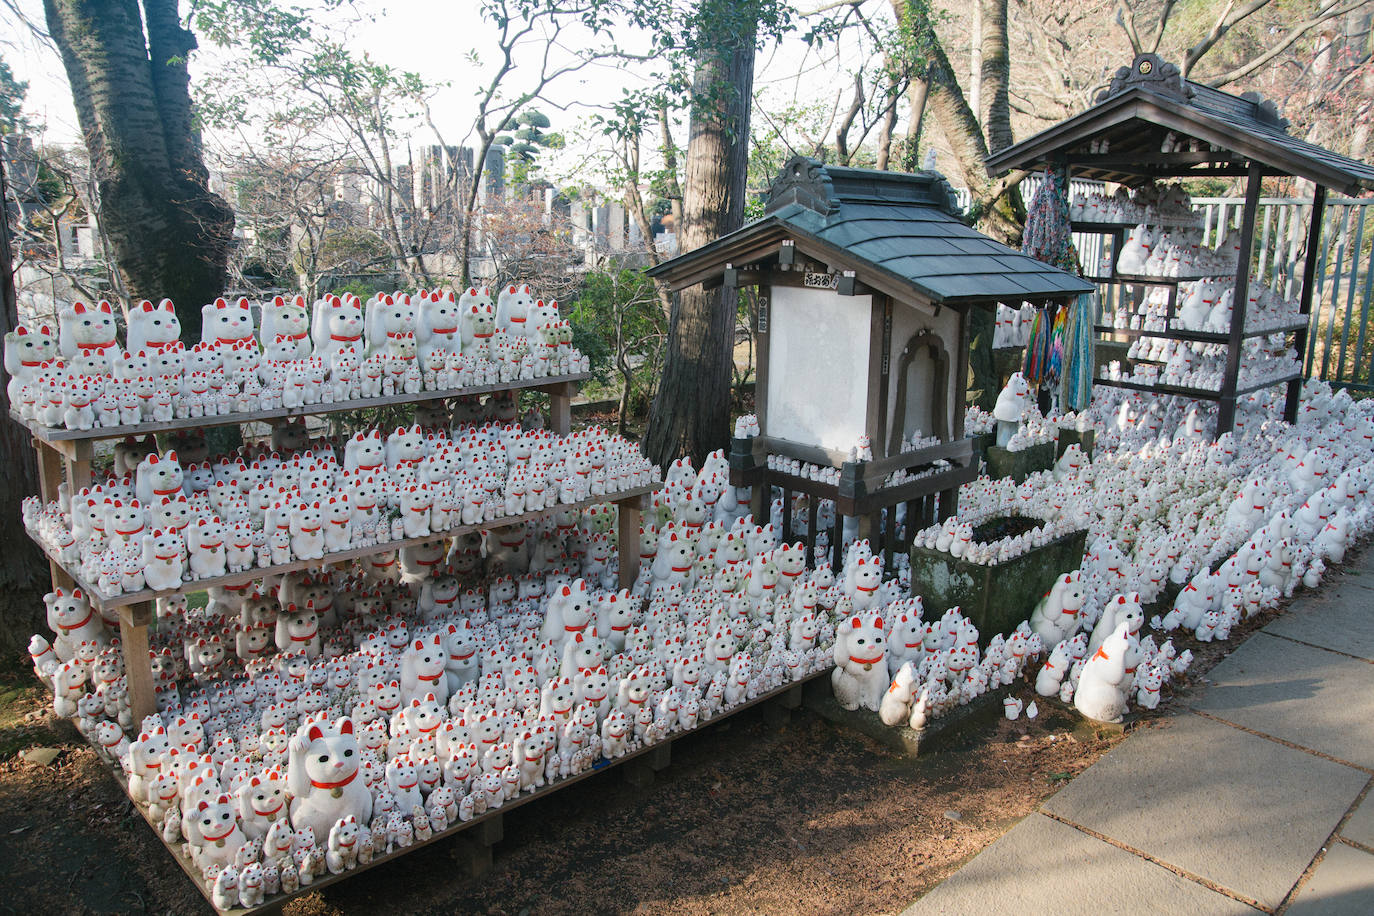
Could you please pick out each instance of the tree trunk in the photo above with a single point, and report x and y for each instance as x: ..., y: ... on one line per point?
x: 996, y: 74
x: 170, y: 235
x: 691, y: 411
x: 975, y: 88
x: 889, y: 124
x: 999, y: 218
x: 23, y: 572
x: 918, y: 92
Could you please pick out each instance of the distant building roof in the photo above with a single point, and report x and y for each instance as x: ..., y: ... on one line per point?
x: 900, y: 232
x: 1149, y: 100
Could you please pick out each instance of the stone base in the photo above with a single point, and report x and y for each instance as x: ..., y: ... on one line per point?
x: 995, y: 598
x: 1020, y: 465
x: 905, y: 741
x: 1069, y: 437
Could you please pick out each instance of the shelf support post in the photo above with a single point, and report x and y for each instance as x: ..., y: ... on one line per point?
x: 560, y: 412
x: 138, y: 668
x: 627, y: 540
x: 1309, y: 274
x: 50, y: 476
x: 1226, y: 412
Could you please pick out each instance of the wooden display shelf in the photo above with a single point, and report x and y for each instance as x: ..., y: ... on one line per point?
x: 559, y: 385
x: 1197, y: 336
x: 1149, y: 280
x: 491, y: 828
x: 65, y: 457
x: 1194, y: 336
x: 105, y: 602
x: 1091, y: 226
x: 1203, y: 394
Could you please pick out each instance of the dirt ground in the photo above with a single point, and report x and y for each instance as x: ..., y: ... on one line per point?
x: 751, y: 817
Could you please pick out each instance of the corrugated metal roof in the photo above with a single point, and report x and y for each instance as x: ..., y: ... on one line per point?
x: 888, y: 226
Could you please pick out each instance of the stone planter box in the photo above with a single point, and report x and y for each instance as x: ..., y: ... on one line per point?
x: 1068, y: 437
x: 995, y: 598
x: 1020, y: 465
x: 905, y: 741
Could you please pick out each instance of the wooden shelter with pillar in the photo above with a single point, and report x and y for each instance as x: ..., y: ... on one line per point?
x: 864, y: 284
x: 1150, y: 124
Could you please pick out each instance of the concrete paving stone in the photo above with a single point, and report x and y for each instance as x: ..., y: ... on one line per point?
x: 1360, y: 827
x: 1236, y: 809
x: 1043, y: 866
x: 1311, y: 697
x: 1336, y: 617
x: 1342, y: 885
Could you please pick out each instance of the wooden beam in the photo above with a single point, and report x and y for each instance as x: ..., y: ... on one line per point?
x: 1309, y: 274
x: 879, y: 333
x: 630, y: 516
x: 138, y: 667
x: 1226, y: 407
x: 762, y: 322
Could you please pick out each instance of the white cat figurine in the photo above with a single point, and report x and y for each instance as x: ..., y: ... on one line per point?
x: 322, y: 777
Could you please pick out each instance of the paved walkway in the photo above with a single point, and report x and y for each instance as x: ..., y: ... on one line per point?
x: 1257, y: 798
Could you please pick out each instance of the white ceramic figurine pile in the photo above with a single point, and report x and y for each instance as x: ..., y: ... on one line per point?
x: 1203, y: 365
x: 1159, y: 205
x: 156, y: 524
x: 1180, y: 255
x: 334, y: 351
x: 313, y: 721
x: 1207, y: 305
x: 1013, y: 326
x: 1232, y: 526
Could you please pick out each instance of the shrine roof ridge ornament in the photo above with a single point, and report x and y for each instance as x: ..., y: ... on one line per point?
x: 1153, y: 73
x: 823, y: 188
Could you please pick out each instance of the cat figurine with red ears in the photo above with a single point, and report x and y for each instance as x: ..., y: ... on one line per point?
x: 307, y: 531
x: 423, y: 669
x: 162, y: 559
x: 286, y: 326
x: 513, y: 310
x: 215, y: 835
x: 157, y: 477
x: 155, y: 328
x: 86, y: 338
x: 860, y: 677
x: 337, y: 323
x: 262, y: 802
x: 322, y: 777
x: 343, y: 845
x: 73, y: 621
x: 26, y: 350
x: 205, y: 544
x: 226, y: 323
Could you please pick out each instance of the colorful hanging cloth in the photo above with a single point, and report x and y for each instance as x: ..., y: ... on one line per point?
x: 1060, y: 352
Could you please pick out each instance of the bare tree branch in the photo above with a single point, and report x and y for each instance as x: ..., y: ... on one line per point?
x: 1328, y: 11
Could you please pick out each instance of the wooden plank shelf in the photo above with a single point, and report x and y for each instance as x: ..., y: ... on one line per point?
x: 1092, y: 226
x: 788, y: 696
x: 103, y: 602
x: 1202, y: 394
x: 552, y: 384
x: 1148, y: 280
x: 1196, y: 336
